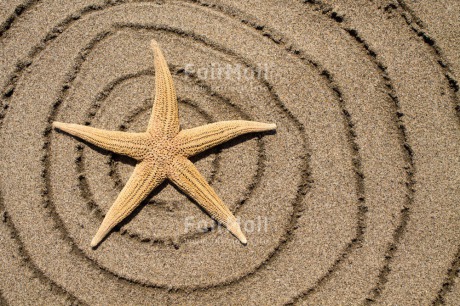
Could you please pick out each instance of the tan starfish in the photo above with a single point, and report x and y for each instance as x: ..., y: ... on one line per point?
x: 163, y: 151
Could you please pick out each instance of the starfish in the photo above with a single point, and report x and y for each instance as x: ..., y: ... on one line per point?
x: 162, y: 153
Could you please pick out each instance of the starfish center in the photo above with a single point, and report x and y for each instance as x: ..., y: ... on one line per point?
x: 163, y: 149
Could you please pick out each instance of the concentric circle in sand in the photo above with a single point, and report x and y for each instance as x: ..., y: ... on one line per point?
x: 352, y: 201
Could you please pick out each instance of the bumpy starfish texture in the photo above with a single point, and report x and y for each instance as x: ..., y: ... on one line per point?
x: 162, y: 152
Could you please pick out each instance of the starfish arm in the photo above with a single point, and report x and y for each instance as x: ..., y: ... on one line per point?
x: 165, y: 115
x: 187, y: 177
x: 196, y: 140
x: 146, y: 176
x: 130, y: 144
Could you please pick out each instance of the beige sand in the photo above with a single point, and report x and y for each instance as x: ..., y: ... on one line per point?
x: 353, y: 201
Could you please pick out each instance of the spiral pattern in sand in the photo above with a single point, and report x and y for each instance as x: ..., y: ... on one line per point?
x: 353, y: 201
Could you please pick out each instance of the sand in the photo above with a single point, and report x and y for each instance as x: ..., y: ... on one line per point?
x: 354, y: 200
